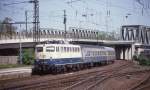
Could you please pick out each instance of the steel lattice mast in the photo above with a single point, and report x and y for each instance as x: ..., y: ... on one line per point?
x: 36, y: 22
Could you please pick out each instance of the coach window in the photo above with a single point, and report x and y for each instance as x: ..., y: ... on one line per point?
x: 71, y: 49
x: 102, y: 52
x: 50, y: 49
x: 92, y: 53
x: 74, y: 49
x: 98, y: 52
x: 109, y: 53
x: 56, y: 49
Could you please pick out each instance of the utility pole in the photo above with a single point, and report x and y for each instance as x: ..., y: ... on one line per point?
x: 65, y: 26
x: 107, y: 15
x: 20, y: 47
x: 26, y: 20
x: 36, y: 25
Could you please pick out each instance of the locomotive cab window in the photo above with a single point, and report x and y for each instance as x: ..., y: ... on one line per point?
x: 50, y: 49
x: 39, y: 49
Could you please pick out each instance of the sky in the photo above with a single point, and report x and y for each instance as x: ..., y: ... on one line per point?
x: 103, y: 15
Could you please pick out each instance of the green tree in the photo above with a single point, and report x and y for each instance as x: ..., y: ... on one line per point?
x: 7, y: 28
x: 28, y: 56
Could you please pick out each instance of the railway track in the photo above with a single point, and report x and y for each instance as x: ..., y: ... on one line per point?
x: 86, y: 83
x: 145, y: 87
x: 54, y: 82
x: 142, y: 85
x: 78, y: 81
x: 95, y: 85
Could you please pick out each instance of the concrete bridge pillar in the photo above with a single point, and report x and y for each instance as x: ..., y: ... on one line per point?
x: 130, y: 53
x: 123, y: 53
x: 127, y: 52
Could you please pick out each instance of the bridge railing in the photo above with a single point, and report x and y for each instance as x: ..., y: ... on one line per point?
x: 74, y: 34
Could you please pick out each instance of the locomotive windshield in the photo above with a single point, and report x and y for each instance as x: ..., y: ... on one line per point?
x: 39, y: 49
x: 50, y: 49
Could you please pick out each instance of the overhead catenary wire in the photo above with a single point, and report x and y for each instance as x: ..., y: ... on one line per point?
x: 78, y: 13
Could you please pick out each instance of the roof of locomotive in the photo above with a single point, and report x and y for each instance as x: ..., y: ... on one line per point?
x: 56, y: 43
x: 67, y: 45
x: 63, y: 43
x: 109, y: 48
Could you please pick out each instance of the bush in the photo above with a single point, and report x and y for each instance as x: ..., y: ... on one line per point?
x: 135, y: 58
x: 28, y: 56
x: 143, y: 60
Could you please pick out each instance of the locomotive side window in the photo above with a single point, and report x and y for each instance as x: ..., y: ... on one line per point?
x: 70, y: 49
x: 57, y: 49
x: 73, y: 49
x: 78, y: 49
x: 62, y: 49
x: 50, y: 49
x: 65, y: 49
x: 39, y: 49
